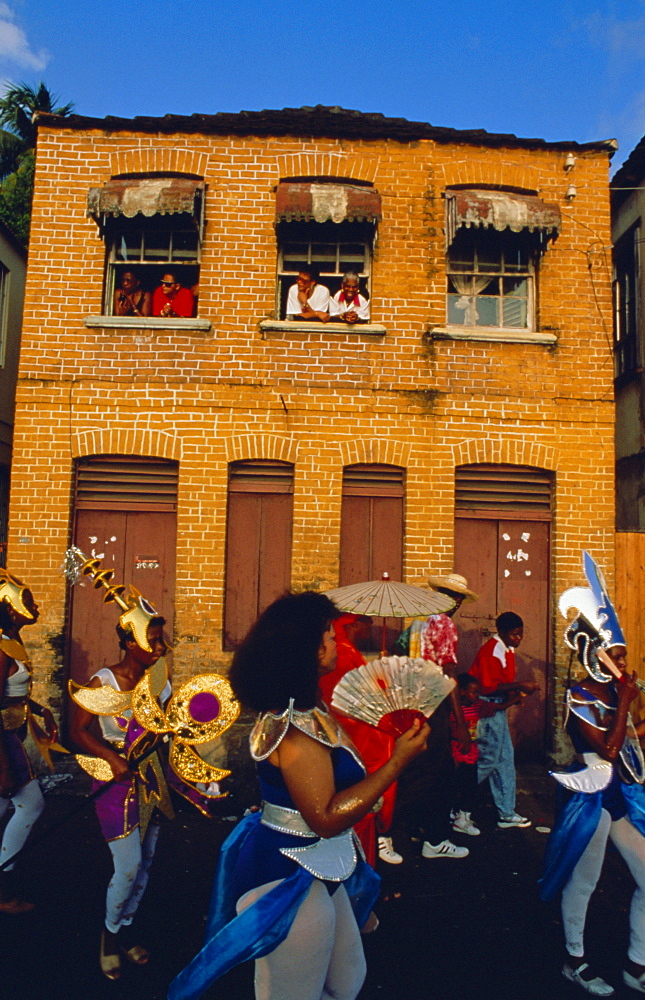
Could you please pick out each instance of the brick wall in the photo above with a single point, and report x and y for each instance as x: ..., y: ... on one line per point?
x: 320, y: 399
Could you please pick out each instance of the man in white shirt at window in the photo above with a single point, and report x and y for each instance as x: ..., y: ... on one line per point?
x: 348, y: 305
x: 307, y: 300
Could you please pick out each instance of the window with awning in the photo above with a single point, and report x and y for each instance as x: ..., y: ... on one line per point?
x: 500, y: 210
x: 148, y: 196
x: 153, y: 228
x: 328, y: 224
x: 494, y: 242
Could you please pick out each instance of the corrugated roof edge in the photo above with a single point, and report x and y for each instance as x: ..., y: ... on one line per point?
x: 320, y: 120
x: 630, y: 174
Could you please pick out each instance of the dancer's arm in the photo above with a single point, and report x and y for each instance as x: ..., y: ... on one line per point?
x: 307, y: 770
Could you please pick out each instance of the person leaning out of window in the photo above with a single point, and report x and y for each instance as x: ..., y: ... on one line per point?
x: 171, y: 298
x: 129, y: 298
x: 307, y: 300
x: 348, y: 305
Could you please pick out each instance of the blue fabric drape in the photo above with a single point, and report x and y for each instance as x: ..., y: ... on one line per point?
x: 576, y: 824
x: 231, y: 939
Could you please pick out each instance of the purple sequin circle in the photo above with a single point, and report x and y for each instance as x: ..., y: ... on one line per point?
x: 204, y: 707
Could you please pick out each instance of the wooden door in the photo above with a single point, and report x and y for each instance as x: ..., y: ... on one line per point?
x: 140, y: 547
x: 258, y: 557
x: 125, y: 514
x: 371, y: 532
x: 506, y: 562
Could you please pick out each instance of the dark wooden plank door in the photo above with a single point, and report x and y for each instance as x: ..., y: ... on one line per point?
x: 506, y: 562
x: 258, y: 558
x: 140, y: 547
x: 371, y: 543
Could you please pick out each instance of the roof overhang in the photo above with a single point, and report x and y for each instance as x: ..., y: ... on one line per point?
x: 500, y: 210
x: 311, y: 202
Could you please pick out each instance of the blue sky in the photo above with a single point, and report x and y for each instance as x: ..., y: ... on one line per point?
x: 553, y: 69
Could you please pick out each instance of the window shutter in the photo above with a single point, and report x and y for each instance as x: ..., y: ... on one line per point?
x: 514, y: 490
x: 126, y: 482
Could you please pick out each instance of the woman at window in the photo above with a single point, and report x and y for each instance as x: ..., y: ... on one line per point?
x: 130, y: 298
x: 286, y: 875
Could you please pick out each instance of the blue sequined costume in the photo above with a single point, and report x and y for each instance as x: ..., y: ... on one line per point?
x: 260, y: 850
x: 617, y: 788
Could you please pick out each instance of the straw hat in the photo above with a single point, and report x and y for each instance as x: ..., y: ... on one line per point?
x: 455, y: 583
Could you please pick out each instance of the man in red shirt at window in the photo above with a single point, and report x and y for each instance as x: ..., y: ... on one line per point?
x: 171, y: 299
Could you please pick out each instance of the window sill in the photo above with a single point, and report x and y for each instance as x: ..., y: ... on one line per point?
x: 146, y: 323
x: 298, y: 326
x: 491, y: 334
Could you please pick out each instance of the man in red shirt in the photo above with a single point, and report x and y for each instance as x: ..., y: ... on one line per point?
x: 494, y: 668
x: 171, y: 299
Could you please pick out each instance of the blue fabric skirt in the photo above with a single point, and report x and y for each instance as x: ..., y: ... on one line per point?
x: 234, y: 938
x: 576, y: 822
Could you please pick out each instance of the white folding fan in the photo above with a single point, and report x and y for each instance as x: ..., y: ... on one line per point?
x: 391, y: 692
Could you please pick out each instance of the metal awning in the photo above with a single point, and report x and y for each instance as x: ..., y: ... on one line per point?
x: 501, y: 210
x: 146, y: 196
x: 309, y: 202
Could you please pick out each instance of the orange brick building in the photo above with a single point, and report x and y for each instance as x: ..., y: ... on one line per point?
x: 216, y: 458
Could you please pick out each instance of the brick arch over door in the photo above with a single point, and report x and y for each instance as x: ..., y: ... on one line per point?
x: 258, y: 446
x: 384, y: 451
x: 128, y: 441
x: 513, y: 451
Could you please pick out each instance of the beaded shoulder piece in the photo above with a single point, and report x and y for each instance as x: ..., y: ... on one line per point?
x: 598, y: 714
x: 270, y: 729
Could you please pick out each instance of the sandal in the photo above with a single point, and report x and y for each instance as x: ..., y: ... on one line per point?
x: 137, y: 954
x: 110, y: 963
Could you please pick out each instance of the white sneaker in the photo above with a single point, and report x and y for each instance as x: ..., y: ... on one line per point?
x: 446, y: 849
x: 506, y: 822
x: 387, y: 853
x: 463, y: 823
x: 596, y: 986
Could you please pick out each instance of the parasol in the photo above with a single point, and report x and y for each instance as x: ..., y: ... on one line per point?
x: 387, y: 598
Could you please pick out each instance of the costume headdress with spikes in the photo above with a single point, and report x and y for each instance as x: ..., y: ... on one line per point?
x: 12, y: 591
x: 137, y: 611
x: 596, y: 627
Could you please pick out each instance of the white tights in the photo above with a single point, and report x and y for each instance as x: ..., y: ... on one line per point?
x: 322, y: 956
x: 132, y: 861
x: 584, y: 878
x: 28, y: 803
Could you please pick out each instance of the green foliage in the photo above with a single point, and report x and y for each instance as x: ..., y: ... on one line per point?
x: 17, y: 142
x: 16, y: 193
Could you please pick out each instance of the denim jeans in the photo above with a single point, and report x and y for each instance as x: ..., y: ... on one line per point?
x: 497, y: 761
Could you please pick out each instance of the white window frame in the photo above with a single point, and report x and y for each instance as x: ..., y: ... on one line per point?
x: 529, y: 273
x: 174, y: 261
x: 286, y: 276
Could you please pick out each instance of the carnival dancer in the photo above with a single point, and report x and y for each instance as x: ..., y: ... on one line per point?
x: 604, y: 798
x: 129, y: 698
x: 18, y: 785
x: 290, y: 876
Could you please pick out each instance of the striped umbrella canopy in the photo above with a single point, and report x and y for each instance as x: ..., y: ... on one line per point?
x: 389, y: 599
